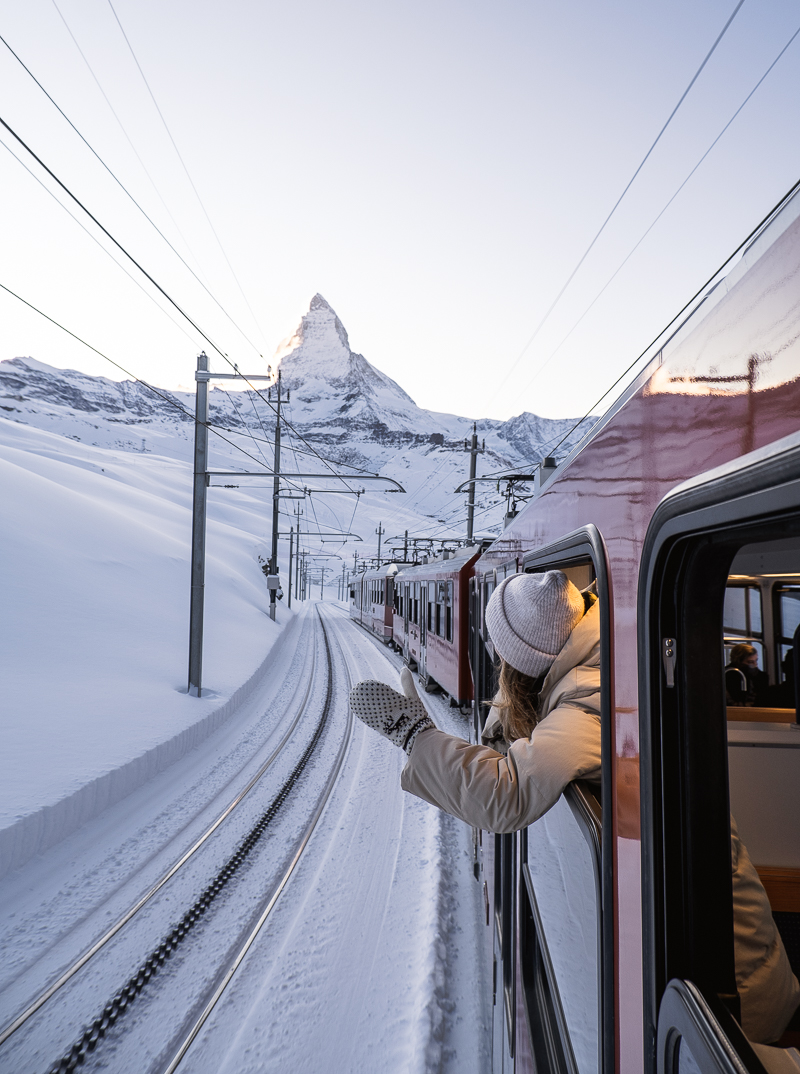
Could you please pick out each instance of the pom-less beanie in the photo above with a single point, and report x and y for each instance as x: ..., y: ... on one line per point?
x: 530, y: 617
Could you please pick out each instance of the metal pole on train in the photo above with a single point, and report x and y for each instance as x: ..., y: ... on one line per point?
x: 273, y: 580
x: 199, y: 496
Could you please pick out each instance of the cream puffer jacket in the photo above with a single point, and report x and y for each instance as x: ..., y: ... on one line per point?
x: 503, y: 793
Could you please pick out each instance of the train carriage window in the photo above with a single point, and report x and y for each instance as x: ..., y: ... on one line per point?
x: 787, y: 604
x: 567, y: 875
x: 734, y: 770
x: 448, y: 611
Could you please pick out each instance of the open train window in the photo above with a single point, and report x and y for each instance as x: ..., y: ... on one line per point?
x: 567, y: 876
x: 719, y: 556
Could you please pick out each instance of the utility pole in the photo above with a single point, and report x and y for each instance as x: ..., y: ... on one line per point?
x: 291, y: 543
x: 380, y: 532
x: 474, y: 451
x: 273, y: 581
x: 297, y: 566
x: 199, y: 497
x: 405, y: 548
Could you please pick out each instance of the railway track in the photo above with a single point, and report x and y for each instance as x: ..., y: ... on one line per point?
x: 109, y: 1018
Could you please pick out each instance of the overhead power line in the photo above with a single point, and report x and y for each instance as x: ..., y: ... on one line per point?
x: 125, y: 190
x: 792, y: 190
x: 162, y: 395
x: 624, y: 262
x: 116, y: 242
x: 121, y: 126
x: 95, y: 239
x: 628, y: 185
x: 186, y: 170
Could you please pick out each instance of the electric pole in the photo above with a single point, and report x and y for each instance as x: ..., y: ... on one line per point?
x: 273, y: 581
x: 380, y: 532
x: 291, y: 542
x: 474, y: 451
x: 199, y: 498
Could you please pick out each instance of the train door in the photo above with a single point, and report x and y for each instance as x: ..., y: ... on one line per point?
x: 721, y: 775
x: 424, y: 604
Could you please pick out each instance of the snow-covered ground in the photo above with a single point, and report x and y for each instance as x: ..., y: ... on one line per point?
x: 375, y: 960
x: 94, y: 554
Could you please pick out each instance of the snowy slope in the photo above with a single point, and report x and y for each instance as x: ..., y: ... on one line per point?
x: 95, y: 541
x: 94, y: 555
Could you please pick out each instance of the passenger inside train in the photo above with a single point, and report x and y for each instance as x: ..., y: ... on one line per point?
x: 545, y: 731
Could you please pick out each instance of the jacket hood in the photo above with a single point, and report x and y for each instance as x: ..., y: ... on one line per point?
x: 582, y: 651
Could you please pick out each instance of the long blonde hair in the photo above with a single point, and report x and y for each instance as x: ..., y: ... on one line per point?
x: 517, y: 702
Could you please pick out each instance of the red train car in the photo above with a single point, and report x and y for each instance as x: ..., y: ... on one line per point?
x: 431, y: 621
x: 372, y: 600
x: 612, y: 915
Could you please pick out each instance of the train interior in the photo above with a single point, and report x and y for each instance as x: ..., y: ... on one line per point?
x: 762, y: 612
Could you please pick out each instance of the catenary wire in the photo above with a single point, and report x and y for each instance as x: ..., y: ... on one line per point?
x: 162, y: 395
x: 95, y: 239
x: 186, y: 170
x: 629, y: 184
x: 116, y: 242
x: 122, y: 186
x: 622, y: 264
x: 122, y: 128
x: 683, y: 309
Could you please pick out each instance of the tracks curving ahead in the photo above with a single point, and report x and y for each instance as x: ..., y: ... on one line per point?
x: 181, y: 1047
x: 123, y: 999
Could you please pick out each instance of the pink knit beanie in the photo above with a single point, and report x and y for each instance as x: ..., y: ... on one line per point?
x: 530, y: 617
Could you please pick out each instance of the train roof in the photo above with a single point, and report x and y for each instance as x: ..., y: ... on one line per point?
x: 378, y: 573
x: 440, y: 566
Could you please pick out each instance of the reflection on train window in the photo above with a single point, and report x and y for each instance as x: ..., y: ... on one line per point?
x: 562, y: 874
x: 787, y: 600
x: 742, y: 618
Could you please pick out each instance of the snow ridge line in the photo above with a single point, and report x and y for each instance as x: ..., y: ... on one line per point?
x: 44, y: 828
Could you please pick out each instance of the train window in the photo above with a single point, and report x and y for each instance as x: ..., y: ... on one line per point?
x: 568, y: 873
x: 787, y: 602
x: 562, y: 873
x: 709, y: 568
x: 448, y: 611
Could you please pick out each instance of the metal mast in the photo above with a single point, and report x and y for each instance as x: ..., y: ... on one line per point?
x: 273, y: 580
x: 474, y: 451
x: 198, y: 574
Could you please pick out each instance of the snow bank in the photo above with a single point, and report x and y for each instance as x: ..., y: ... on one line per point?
x: 94, y: 569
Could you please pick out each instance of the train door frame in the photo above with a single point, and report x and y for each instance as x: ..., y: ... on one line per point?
x: 580, y: 547
x: 689, y: 975
x: 422, y: 662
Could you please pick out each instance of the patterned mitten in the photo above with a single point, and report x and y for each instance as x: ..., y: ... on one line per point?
x: 397, y: 717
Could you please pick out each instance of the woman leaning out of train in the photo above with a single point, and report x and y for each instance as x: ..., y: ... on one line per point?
x: 544, y: 732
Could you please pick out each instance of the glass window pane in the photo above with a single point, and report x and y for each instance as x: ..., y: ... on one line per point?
x: 735, y: 615
x: 563, y: 874
x: 755, y: 609
x: 790, y: 611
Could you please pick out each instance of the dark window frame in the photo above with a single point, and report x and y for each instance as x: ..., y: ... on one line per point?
x: 691, y: 542
x: 586, y: 545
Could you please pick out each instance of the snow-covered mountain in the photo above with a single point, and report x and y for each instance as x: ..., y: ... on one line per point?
x: 343, y: 406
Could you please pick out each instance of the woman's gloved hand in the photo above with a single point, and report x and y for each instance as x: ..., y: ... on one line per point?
x: 398, y: 717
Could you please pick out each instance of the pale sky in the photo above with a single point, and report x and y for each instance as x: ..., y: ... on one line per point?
x: 434, y: 169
